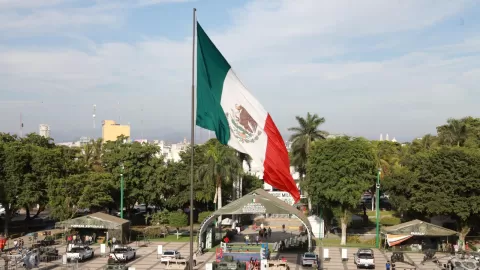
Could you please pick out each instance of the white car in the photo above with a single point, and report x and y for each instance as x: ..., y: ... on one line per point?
x: 364, y: 258
x: 309, y: 259
x: 80, y: 253
x: 168, y: 255
x: 123, y: 254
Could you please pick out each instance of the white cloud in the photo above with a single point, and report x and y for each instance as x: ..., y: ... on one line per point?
x: 279, y: 49
x: 47, y: 16
x: 27, y: 4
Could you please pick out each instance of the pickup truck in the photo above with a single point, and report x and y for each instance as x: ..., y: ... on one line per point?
x: 364, y: 258
x: 80, y: 253
x: 168, y: 255
x: 123, y: 254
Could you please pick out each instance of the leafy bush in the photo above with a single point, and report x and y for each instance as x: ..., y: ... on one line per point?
x: 370, y: 242
x: 155, y: 231
x: 159, y: 218
x: 353, y: 239
x: 177, y: 219
x: 390, y: 221
x: 203, y: 215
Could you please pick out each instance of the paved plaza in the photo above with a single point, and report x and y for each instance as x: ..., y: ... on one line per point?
x: 147, y: 257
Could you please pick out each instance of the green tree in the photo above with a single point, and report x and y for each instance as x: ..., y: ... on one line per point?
x: 400, y: 184
x: 473, y: 132
x: 340, y: 170
x: 250, y: 183
x: 425, y: 143
x: 79, y: 191
x: 140, y: 162
x: 203, y: 215
x: 222, y: 167
x: 446, y: 184
x: 16, y: 175
x: 160, y: 218
x: 454, y: 133
x: 92, y: 155
x: 177, y: 219
x: 177, y: 185
x: 302, y: 138
x: 179, y: 177
x: 239, y: 183
x: 389, y: 154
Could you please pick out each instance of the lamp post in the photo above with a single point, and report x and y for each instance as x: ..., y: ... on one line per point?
x: 121, y: 191
x: 377, y: 208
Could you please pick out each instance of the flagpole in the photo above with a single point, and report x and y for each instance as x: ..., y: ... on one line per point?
x: 192, y: 139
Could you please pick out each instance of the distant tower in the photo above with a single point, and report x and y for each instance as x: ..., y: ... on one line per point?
x: 44, y: 130
x: 381, y: 137
x: 93, y: 116
x: 386, y: 137
x: 394, y: 140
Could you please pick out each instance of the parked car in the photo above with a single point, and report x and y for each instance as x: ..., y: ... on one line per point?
x: 309, y: 259
x: 364, y: 258
x: 124, y: 253
x: 80, y: 253
x: 168, y: 255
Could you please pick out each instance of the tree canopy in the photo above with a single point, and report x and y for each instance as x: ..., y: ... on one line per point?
x: 34, y: 171
x: 340, y: 170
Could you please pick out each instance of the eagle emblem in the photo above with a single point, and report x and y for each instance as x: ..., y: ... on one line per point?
x: 242, y: 125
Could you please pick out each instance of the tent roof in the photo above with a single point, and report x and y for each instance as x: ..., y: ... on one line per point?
x: 97, y: 220
x: 418, y: 228
x: 260, y: 202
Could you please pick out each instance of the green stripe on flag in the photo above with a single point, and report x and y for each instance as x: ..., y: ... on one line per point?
x: 212, y: 68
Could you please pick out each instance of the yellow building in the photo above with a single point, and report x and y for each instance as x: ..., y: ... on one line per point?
x: 111, y: 130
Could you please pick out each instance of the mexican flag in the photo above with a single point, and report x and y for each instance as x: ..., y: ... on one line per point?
x: 225, y: 106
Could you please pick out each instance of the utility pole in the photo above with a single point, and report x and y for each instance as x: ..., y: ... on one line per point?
x: 377, y: 207
x: 121, y: 191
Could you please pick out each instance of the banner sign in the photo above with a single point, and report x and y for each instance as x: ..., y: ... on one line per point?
x: 254, y: 208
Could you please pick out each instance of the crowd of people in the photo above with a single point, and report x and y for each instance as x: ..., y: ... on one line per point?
x: 80, y: 239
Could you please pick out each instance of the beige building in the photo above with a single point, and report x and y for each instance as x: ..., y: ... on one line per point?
x: 111, y: 130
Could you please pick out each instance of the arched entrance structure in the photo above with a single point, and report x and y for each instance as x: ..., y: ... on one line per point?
x: 256, y: 202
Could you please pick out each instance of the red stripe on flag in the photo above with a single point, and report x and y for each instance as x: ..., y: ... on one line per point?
x: 277, y: 163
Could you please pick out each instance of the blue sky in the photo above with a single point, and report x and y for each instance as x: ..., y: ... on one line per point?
x: 368, y: 67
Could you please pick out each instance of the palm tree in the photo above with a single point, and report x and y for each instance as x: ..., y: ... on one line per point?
x: 222, y: 167
x: 92, y: 155
x: 302, y: 139
x: 454, y: 133
x: 242, y: 158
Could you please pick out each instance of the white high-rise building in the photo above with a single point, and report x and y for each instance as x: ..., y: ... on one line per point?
x: 44, y: 130
x: 381, y: 136
x: 386, y: 138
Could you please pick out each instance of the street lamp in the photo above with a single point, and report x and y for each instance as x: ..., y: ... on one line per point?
x: 377, y: 208
x: 121, y: 190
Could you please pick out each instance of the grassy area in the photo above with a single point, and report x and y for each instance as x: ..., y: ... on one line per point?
x: 173, y: 238
x: 335, y: 242
x: 373, y: 214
